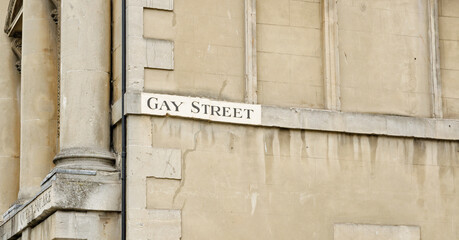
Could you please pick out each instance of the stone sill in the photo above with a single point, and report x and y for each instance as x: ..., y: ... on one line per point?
x: 65, y: 190
x: 334, y: 121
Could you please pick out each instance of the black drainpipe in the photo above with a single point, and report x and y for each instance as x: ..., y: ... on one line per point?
x: 123, y: 120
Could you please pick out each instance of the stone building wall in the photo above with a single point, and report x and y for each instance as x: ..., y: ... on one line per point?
x: 353, y: 133
x: 240, y: 182
x: 384, y: 57
x: 329, y: 159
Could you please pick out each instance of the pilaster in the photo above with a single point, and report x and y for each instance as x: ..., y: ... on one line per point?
x: 331, y: 55
x: 437, y: 105
x: 251, y: 51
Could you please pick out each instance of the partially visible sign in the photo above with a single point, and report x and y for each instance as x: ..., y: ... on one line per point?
x: 200, y: 108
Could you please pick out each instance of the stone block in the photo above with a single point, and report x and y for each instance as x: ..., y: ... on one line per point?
x: 160, y: 54
x: 76, y: 225
x: 290, y: 40
x: 274, y: 67
x: 449, y: 52
x: 219, y: 30
x: 446, y: 129
x: 375, y: 232
x: 409, y: 126
x: 326, y: 120
x: 275, y: 12
x: 160, y: 4
x: 161, y: 193
x: 450, y: 83
x: 305, y: 14
x: 161, y: 224
x: 156, y: 162
x: 448, y: 28
x: 217, y: 86
x: 451, y: 108
x: 373, y: 100
x: 139, y: 131
x: 135, y: 21
x: 168, y: 163
x: 300, y: 95
x: 368, y: 124
x: 449, y: 8
x: 159, y: 24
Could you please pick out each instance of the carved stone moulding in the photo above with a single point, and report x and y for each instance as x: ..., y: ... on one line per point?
x: 13, y: 23
x: 55, y: 15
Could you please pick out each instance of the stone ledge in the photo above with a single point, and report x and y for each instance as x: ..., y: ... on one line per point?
x: 101, y: 192
x: 360, y: 123
x: 333, y: 121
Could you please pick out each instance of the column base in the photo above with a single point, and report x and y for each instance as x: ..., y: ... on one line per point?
x: 85, y: 159
x: 85, y: 193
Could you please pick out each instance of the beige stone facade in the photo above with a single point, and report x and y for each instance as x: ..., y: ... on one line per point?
x: 245, y: 119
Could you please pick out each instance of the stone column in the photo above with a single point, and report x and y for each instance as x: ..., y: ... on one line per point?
x: 38, y: 95
x: 85, y: 85
x: 9, y: 122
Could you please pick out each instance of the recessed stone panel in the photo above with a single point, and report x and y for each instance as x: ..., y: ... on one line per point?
x: 384, y: 58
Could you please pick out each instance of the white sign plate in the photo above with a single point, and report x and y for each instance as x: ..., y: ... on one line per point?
x: 200, y: 108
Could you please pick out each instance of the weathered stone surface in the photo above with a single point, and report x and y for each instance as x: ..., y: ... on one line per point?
x: 78, y: 191
x: 161, y: 192
x: 144, y: 164
x: 77, y: 225
x: 85, y: 83
x: 289, y: 57
x: 160, y: 4
x: 158, y: 162
x: 295, y: 175
x: 38, y: 96
x: 160, y: 54
x: 375, y: 232
x: 243, y: 180
x: 163, y: 224
x: 359, y: 123
x: 383, y: 58
x: 9, y: 122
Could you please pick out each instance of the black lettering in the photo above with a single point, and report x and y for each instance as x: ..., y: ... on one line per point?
x: 237, y: 113
x: 195, y: 105
x: 205, y: 108
x: 164, y: 104
x: 176, y: 106
x: 149, y: 103
x: 248, y: 112
x: 226, y: 112
x: 213, y: 110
